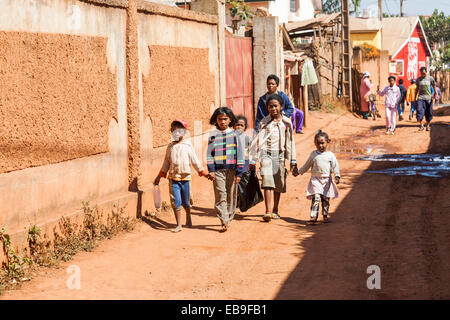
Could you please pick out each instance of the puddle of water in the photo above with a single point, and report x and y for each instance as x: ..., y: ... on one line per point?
x: 428, y: 165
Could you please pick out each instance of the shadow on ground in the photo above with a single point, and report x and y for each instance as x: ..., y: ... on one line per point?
x: 399, y: 223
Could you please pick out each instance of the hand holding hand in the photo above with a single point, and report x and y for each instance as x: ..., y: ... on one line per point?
x: 211, y: 176
x: 337, y: 179
x: 294, y: 170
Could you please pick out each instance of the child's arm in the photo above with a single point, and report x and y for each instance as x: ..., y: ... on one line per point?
x: 293, y: 153
x: 239, y: 158
x: 308, y: 164
x: 210, y: 157
x: 196, y: 163
x: 253, y: 152
x: 164, y: 168
x: 335, y: 169
x: 382, y: 93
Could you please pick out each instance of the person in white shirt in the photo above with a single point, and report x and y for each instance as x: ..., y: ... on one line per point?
x: 321, y: 186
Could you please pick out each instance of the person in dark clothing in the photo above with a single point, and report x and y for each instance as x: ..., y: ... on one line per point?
x: 401, y: 102
x: 272, y: 84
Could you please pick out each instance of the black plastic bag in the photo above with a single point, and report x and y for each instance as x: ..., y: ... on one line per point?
x: 249, y: 192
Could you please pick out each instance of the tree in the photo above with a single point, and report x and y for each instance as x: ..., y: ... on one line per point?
x: 331, y: 6
x: 386, y: 15
x: 356, y: 5
x: 401, y: 7
x: 437, y: 27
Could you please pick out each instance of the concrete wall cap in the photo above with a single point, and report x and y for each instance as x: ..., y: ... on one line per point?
x: 108, y: 3
x: 164, y: 10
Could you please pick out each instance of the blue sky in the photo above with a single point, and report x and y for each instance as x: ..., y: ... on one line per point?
x: 410, y: 7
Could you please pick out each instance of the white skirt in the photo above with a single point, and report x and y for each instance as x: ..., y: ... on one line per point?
x: 322, y: 185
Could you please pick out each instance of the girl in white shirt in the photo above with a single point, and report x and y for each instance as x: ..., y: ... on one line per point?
x: 321, y: 186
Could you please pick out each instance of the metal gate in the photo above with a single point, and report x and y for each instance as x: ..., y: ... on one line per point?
x: 239, y: 76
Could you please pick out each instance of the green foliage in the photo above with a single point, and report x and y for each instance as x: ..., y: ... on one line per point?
x: 445, y: 54
x: 387, y: 15
x: 437, y: 27
x: 15, y: 266
x: 239, y: 8
x: 331, y: 6
x: 356, y: 5
x: 71, y: 238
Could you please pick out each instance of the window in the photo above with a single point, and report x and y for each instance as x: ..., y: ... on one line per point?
x: 293, y: 5
x: 399, y: 67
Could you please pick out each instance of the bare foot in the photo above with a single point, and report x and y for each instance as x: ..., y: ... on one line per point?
x: 177, y: 229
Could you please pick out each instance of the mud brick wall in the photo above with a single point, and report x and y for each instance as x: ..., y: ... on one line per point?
x: 179, y: 85
x: 57, y: 97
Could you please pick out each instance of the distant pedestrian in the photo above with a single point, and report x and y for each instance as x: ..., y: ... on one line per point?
x: 297, y: 120
x: 180, y: 155
x: 411, y: 98
x: 424, y: 97
x: 225, y: 160
x: 364, y: 90
x: 273, y: 145
x: 321, y: 186
x: 272, y: 85
x: 438, y: 94
x: 401, y: 102
x: 393, y: 96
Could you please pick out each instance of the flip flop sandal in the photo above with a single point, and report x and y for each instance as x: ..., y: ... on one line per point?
x: 312, y: 220
x: 275, y: 216
x: 267, y: 217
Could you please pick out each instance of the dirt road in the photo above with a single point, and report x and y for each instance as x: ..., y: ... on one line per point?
x: 399, y: 223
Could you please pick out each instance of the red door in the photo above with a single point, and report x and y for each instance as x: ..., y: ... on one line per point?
x: 239, y: 76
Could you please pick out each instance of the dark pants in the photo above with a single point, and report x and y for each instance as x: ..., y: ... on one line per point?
x: 425, y: 108
x: 401, y: 108
x: 413, y: 107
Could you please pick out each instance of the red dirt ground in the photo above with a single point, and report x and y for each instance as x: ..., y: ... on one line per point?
x: 399, y: 223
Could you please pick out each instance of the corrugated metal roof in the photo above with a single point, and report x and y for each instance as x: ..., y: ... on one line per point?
x: 307, y: 24
x: 364, y: 25
x: 397, y: 31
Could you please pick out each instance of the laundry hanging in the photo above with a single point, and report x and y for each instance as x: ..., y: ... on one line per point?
x: 308, y: 73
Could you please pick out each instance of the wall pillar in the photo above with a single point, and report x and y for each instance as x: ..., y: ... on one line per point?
x: 266, y: 54
x: 216, y: 7
x: 133, y: 115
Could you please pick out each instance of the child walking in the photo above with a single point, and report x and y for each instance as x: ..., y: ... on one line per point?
x: 177, y: 167
x: 225, y: 160
x: 273, y: 145
x: 321, y: 186
x: 393, y: 96
x: 245, y: 140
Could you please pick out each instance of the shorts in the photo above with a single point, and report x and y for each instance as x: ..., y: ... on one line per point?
x: 179, y: 194
x: 273, y: 172
x: 424, y: 108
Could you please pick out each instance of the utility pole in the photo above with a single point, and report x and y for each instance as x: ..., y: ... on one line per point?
x: 380, y: 16
x: 380, y: 12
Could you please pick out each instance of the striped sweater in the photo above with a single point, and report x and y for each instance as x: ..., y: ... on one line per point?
x: 225, y: 152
